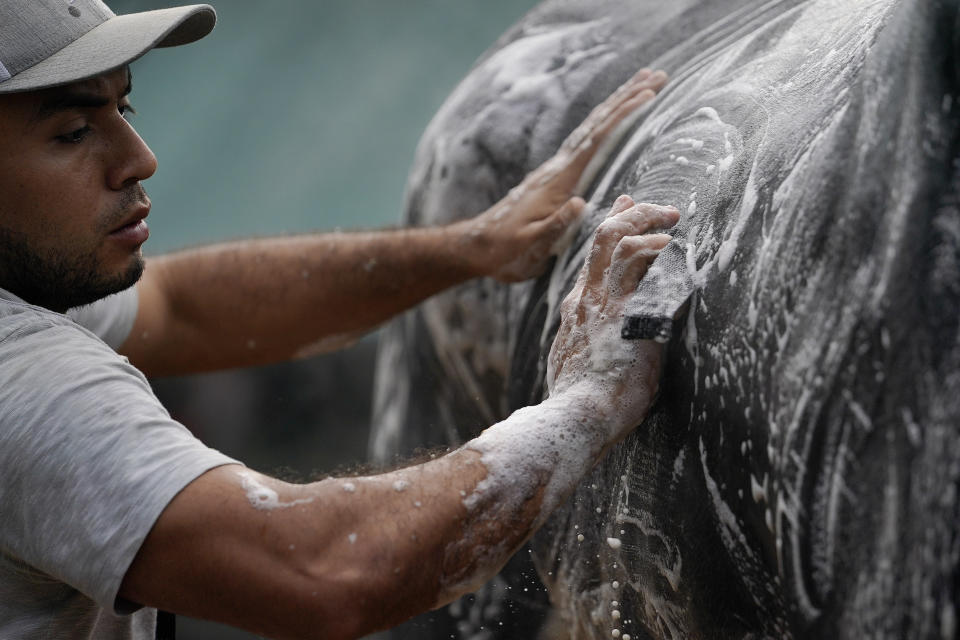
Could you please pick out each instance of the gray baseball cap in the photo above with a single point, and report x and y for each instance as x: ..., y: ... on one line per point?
x: 47, y: 43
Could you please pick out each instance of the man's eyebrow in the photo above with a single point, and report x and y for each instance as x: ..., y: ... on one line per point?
x: 74, y: 98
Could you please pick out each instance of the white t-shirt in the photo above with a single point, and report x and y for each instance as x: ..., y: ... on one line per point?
x: 88, y: 460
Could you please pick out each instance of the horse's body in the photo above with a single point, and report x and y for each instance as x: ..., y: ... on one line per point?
x: 798, y: 475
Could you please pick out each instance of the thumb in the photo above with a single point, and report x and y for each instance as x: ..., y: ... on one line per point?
x: 567, y: 218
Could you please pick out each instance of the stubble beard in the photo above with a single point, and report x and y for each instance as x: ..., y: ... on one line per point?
x: 55, y: 281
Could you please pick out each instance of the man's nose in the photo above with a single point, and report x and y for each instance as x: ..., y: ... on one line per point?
x: 132, y: 160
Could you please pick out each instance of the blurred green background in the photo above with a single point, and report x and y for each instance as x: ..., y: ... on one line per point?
x: 294, y: 115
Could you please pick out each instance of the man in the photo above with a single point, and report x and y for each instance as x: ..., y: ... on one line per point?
x: 111, y: 508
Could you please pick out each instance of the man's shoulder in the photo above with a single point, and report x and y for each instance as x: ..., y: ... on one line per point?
x: 19, y: 320
x: 109, y: 319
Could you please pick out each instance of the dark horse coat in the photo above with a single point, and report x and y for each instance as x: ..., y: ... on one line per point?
x: 798, y: 475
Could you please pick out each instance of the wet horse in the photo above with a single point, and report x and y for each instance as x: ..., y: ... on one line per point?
x: 798, y: 475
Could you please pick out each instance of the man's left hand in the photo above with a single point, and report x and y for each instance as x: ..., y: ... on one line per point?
x: 518, y: 235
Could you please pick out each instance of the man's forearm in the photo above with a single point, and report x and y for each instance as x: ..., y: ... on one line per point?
x: 260, y: 301
x: 344, y: 557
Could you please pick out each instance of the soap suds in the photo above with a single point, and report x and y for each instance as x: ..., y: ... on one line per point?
x: 695, y: 144
x: 263, y: 497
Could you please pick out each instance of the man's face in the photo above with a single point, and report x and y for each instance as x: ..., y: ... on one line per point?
x: 71, y: 203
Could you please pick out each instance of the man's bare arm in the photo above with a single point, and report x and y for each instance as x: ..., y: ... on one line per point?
x: 262, y: 301
x: 344, y: 557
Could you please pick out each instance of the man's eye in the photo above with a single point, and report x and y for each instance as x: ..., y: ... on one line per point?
x: 126, y: 110
x: 75, y: 136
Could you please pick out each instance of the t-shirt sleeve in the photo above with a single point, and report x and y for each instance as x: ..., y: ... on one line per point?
x: 89, y: 458
x: 110, y: 318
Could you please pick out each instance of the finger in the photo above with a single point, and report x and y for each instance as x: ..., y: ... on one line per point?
x: 644, y: 79
x: 606, y: 115
x: 655, y: 80
x: 623, y: 92
x: 570, y: 212
x: 563, y: 224
x: 618, y: 115
x: 633, y: 256
x: 639, y: 76
x: 619, y: 96
x: 622, y: 203
x: 644, y: 82
x: 600, y: 130
x: 634, y: 221
x: 605, y: 240
x: 646, y: 217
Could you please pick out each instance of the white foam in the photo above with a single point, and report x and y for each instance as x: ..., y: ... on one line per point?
x: 263, y: 497
x: 695, y: 144
x: 709, y: 113
x: 725, y: 163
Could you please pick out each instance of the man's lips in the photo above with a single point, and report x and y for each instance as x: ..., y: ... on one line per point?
x: 135, y: 230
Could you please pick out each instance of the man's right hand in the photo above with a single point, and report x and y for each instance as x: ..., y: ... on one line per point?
x: 589, y: 361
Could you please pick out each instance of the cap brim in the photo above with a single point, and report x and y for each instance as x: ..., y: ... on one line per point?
x: 114, y: 43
